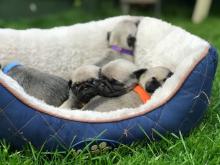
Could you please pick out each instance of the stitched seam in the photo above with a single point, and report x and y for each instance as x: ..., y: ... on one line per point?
x: 57, y: 137
x: 156, y: 123
x: 10, y: 102
x: 26, y: 124
x: 206, y: 69
x: 55, y: 133
x: 15, y: 128
x: 129, y: 127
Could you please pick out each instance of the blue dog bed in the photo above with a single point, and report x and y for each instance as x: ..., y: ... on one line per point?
x: 22, y: 122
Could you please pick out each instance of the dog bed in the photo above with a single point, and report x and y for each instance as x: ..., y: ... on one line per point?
x: 176, y: 107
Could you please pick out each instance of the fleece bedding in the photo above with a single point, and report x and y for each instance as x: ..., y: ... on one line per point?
x: 177, y: 106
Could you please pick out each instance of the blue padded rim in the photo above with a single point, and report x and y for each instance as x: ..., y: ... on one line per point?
x: 10, y: 66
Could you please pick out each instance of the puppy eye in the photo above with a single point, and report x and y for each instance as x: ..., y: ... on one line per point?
x: 93, y: 82
x: 113, y: 80
x: 164, y: 79
x: 154, y: 78
x: 131, y: 41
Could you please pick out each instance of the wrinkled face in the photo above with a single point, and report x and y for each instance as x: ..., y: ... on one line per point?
x: 84, y: 91
x: 110, y: 87
x: 84, y: 82
x: 120, y: 70
x: 154, y: 78
x: 114, y: 79
x: 119, y: 77
x: 124, y: 34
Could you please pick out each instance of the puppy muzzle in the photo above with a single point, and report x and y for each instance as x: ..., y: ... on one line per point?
x: 151, y: 87
x: 85, y: 91
x: 111, y: 87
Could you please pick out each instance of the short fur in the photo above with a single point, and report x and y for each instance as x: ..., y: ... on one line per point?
x: 125, y: 72
x: 123, y: 35
x: 120, y: 70
x: 81, y: 87
x: 154, y: 78
x: 89, y: 81
x: 51, y: 89
x: 130, y: 99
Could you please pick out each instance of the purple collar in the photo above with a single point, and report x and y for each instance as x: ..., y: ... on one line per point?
x: 122, y: 50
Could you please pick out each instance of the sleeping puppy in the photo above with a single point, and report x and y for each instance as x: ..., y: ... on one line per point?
x: 82, y: 86
x: 121, y: 41
x: 85, y: 83
x: 53, y: 90
x: 122, y: 71
x: 133, y: 98
x: 154, y: 78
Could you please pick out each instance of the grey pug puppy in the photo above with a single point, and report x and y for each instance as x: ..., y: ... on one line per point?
x: 126, y: 75
x: 121, y: 41
x: 53, y: 90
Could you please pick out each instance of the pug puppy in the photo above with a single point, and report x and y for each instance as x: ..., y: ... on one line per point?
x: 154, y: 78
x: 82, y: 86
x: 86, y: 83
x: 122, y: 71
x: 132, y: 98
x: 121, y: 41
x: 56, y: 91
x: 53, y: 90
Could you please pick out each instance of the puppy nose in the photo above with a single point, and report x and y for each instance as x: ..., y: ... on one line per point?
x: 151, y: 87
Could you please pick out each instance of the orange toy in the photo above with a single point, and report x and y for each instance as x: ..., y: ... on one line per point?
x: 144, y: 95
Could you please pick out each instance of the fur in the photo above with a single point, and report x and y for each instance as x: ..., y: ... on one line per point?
x: 104, y: 104
x: 147, y: 79
x: 154, y: 78
x: 75, y: 45
x: 123, y: 35
x: 120, y: 70
x: 125, y: 72
x: 79, y: 92
x: 53, y: 90
x: 157, y: 41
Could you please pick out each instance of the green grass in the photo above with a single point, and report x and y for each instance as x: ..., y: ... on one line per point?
x: 202, y: 146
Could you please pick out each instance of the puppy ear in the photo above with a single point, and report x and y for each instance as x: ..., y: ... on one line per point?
x: 139, y: 72
x: 137, y: 23
x: 170, y: 74
x: 70, y: 83
x: 108, y: 36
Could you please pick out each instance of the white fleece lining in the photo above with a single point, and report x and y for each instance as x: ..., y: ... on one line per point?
x: 158, y: 43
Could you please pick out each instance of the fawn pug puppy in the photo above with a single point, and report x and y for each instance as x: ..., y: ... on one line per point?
x: 82, y: 86
x: 154, y: 78
x: 85, y: 83
x: 53, y: 90
x: 129, y: 77
x: 121, y: 41
x: 124, y: 72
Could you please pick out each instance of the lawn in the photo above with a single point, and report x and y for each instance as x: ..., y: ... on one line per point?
x: 202, y: 146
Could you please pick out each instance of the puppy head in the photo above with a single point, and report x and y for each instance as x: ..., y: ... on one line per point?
x: 121, y: 75
x: 154, y: 77
x: 124, y: 34
x: 120, y: 70
x: 83, y: 82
